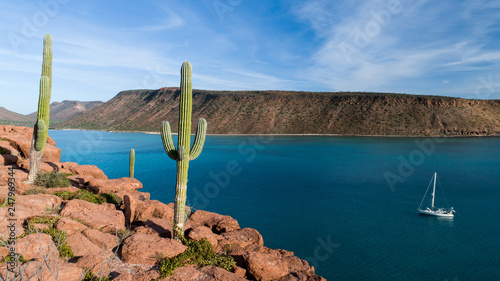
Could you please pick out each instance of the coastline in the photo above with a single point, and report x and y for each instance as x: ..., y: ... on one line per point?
x: 298, y: 135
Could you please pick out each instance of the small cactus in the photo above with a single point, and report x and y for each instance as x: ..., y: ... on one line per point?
x: 131, y: 163
x: 41, y: 128
x: 184, y: 153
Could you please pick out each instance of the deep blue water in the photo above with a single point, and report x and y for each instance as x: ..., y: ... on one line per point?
x: 339, y: 202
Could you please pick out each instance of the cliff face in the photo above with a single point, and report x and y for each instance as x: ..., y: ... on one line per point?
x: 279, y: 112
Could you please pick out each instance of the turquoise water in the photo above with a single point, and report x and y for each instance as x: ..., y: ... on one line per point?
x: 339, y: 202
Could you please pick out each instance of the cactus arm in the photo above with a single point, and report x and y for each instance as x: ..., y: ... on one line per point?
x: 199, y: 139
x: 131, y: 163
x: 168, y: 144
x: 40, y: 132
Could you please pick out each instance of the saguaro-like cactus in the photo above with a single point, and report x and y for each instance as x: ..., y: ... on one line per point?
x: 40, y: 130
x: 184, y: 152
x: 131, y: 163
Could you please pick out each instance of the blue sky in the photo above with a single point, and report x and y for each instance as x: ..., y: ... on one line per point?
x: 449, y: 48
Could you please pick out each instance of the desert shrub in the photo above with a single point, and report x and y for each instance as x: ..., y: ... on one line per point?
x: 5, y: 201
x: 123, y: 234
x: 53, y: 179
x: 58, y: 236
x: 82, y: 195
x: 112, y: 198
x: 200, y: 253
x: 89, y: 276
x: 35, y: 190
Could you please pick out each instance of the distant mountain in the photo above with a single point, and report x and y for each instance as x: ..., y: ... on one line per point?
x: 67, y: 109
x: 285, y: 112
x: 8, y: 117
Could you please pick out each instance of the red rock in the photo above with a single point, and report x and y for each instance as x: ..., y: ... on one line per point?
x: 4, y: 251
x: 240, y: 271
x: 187, y: 273
x: 70, y: 226
x: 201, y: 232
x: 243, y: 237
x: 103, y: 216
x: 37, y: 246
x: 6, y: 146
x: 34, y: 205
x: 89, y: 170
x: 59, y: 270
x: 19, y: 174
x: 153, y: 209
x: 217, y: 223
x: 141, y: 248
x: 80, y: 179
x: 221, y: 274
x: 103, y: 240
x: 125, y: 276
x: 82, y: 246
x: 98, y: 264
x: 161, y: 227
x: 266, y: 266
x: 129, y: 209
x: 114, y: 185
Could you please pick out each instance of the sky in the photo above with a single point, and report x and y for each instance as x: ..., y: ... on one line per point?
x: 448, y: 48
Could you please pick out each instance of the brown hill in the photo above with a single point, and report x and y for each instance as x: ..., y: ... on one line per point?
x: 281, y: 112
x: 67, y: 109
x: 8, y: 117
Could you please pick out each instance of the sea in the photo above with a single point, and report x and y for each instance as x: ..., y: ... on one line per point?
x: 347, y: 205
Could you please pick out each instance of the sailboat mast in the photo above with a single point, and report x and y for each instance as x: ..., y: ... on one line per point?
x: 434, y: 189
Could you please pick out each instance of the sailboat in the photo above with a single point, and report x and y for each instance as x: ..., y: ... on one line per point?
x: 433, y: 211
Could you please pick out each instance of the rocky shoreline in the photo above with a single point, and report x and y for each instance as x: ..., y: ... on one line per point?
x: 91, y: 229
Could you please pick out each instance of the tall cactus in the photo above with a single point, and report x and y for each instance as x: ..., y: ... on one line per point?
x: 184, y: 153
x: 40, y: 130
x: 131, y: 163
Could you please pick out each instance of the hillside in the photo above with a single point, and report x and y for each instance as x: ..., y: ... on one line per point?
x: 67, y: 109
x: 8, y: 117
x: 280, y: 112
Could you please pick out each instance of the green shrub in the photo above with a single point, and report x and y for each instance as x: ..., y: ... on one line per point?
x: 82, y: 195
x: 112, y: 198
x: 58, y: 236
x: 52, y: 180
x: 36, y: 190
x: 89, y: 276
x: 200, y: 253
x: 123, y: 234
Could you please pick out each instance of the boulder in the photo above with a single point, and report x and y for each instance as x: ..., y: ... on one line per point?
x: 217, y: 223
x: 4, y: 251
x: 129, y: 209
x: 221, y: 274
x: 160, y: 227
x: 8, y: 148
x: 34, y: 205
x: 82, y: 246
x: 69, y: 225
x: 266, y: 266
x: 115, y: 185
x: 187, y: 273
x: 37, y: 246
x: 201, y: 232
x: 125, y: 276
x: 54, y: 270
x: 243, y: 237
x: 88, y: 170
x: 97, y: 263
x: 154, y: 209
x: 19, y: 174
x: 142, y: 248
x: 100, y: 216
x: 102, y: 240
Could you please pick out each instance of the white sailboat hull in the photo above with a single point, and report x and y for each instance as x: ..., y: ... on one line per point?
x: 437, y: 212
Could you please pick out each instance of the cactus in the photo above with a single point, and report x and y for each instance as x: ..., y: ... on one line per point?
x: 184, y: 152
x: 131, y: 163
x: 40, y: 130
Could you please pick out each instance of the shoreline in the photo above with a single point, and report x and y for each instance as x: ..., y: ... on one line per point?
x: 297, y: 135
